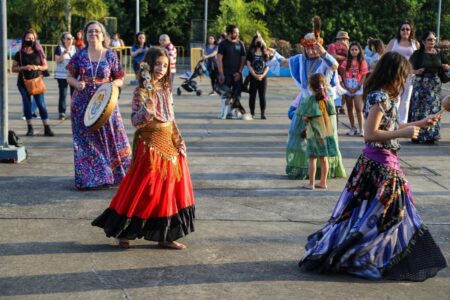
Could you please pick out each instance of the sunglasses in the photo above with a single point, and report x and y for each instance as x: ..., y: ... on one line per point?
x: 94, y: 31
x: 405, y: 29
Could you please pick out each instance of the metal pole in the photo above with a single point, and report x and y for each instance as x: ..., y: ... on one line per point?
x: 205, y: 24
x: 137, y: 16
x: 438, y: 31
x: 8, y: 153
x: 3, y: 80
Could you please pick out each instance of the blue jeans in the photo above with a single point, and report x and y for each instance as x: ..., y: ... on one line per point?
x: 62, y: 86
x: 27, y: 105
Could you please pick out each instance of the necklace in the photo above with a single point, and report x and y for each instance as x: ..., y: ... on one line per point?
x: 94, y: 75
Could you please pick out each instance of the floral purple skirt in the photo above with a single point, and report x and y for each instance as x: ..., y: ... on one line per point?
x: 425, y: 100
x: 101, y: 157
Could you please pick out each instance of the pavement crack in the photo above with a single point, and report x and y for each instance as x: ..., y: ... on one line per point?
x: 105, y: 282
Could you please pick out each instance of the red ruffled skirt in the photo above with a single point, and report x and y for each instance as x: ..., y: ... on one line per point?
x: 155, y: 200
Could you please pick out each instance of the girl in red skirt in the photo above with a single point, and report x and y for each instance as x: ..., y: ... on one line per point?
x: 155, y: 200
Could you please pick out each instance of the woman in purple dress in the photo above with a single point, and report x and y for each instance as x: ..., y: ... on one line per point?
x: 101, y: 156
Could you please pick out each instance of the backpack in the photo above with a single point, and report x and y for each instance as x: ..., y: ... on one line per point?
x: 14, y: 139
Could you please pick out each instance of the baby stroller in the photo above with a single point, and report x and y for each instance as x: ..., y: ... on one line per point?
x: 189, y: 84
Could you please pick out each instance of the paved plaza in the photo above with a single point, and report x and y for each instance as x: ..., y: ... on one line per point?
x: 252, y: 222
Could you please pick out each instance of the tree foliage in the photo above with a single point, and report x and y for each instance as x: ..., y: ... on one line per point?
x: 282, y: 19
x: 246, y: 15
x: 47, y: 17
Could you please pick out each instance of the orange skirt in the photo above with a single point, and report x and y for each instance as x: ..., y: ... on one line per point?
x: 155, y: 200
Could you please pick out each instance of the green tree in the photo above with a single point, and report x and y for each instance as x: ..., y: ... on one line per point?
x: 246, y: 15
x: 47, y: 17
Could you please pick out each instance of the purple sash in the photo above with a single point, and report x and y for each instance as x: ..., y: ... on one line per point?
x: 383, y: 156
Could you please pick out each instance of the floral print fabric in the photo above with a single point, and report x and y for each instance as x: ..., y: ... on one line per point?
x: 101, y: 157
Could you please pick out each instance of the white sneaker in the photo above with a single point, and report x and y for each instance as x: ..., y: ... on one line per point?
x: 361, y: 133
x: 352, y: 132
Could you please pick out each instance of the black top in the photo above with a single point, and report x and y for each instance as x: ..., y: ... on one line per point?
x: 27, y: 59
x: 258, y: 62
x: 431, y: 62
x: 232, y: 54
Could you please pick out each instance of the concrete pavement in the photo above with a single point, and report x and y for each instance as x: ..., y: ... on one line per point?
x: 252, y: 221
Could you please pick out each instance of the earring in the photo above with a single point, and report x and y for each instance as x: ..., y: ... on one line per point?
x: 145, y: 74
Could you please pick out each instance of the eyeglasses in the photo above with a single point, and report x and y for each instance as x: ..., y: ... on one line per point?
x: 405, y: 29
x: 94, y: 31
x: 431, y: 39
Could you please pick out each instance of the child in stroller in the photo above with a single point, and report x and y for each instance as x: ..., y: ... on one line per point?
x: 189, y: 84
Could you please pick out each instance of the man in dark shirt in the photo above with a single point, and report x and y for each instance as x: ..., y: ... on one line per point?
x: 231, y: 58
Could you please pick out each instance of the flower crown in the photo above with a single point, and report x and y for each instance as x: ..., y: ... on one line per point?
x: 145, y: 74
x: 308, y: 42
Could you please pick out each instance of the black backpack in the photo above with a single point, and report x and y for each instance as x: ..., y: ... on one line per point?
x: 14, y: 139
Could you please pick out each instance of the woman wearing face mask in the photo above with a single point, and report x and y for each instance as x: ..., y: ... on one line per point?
x: 29, y: 63
x: 257, y: 58
x: 426, y: 99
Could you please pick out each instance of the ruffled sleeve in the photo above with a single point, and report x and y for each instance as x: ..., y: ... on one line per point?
x: 376, y: 98
x: 143, y: 108
x: 74, y: 65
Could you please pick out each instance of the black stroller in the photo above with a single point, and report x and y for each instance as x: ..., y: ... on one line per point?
x: 189, y: 84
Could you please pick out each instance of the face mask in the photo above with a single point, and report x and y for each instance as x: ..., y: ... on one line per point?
x: 258, y: 44
x: 28, y: 43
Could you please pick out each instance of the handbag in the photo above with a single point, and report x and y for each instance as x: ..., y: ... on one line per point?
x: 34, y: 86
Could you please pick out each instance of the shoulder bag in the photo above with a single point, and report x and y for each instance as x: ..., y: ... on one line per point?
x: 34, y: 86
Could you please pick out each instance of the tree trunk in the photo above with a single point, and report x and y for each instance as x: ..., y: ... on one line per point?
x: 68, y: 16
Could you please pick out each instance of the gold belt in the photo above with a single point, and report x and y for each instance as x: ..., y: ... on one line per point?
x: 158, y: 138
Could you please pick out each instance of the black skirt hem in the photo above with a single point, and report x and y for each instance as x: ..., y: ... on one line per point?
x: 167, y: 229
x: 420, y: 260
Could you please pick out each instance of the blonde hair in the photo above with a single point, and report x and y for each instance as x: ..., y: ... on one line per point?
x: 106, y: 39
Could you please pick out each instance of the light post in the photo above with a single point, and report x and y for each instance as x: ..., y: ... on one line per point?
x: 8, y: 153
x: 137, y: 17
x: 205, y: 23
x: 438, y: 31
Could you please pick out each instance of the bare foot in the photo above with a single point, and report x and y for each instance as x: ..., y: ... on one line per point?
x: 308, y: 187
x: 321, y: 186
x: 123, y: 243
x: 172, y: 245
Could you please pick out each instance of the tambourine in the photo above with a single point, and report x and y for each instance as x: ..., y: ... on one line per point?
x: 101, y: 106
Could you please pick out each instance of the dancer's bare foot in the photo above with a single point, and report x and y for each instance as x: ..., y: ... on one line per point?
x: 321, y: 186
x: 172, y: 245
x: 123, y: 243
x: 308, y: 187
